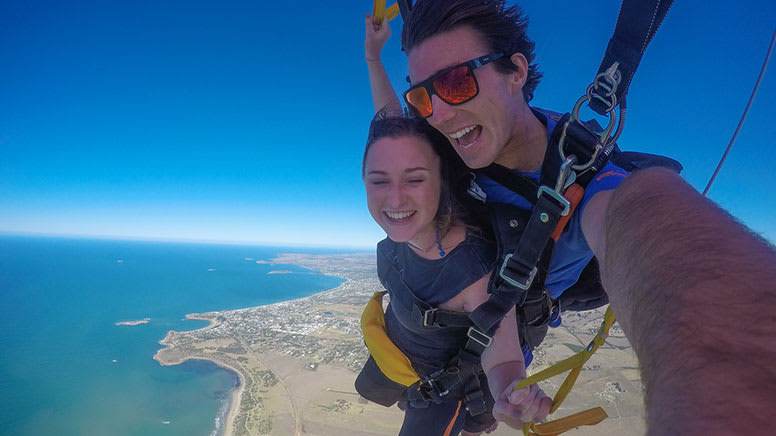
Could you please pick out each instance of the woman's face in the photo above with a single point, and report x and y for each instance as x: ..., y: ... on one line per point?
x: 403, y: 186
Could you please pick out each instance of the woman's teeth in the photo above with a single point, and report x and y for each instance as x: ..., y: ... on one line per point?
x: 399, y: 216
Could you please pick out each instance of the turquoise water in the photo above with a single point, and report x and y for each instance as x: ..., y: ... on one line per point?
x: 66, y: 369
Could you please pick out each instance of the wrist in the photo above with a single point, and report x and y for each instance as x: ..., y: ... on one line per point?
x: 502, y: 375
x: 371, y: 61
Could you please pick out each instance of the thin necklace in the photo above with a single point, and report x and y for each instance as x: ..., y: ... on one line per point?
x: 426, y: 250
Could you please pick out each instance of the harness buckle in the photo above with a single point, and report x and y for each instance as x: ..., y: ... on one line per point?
x: 431, y: 389
x: 566, y: 175
x: 479, y: 337
x: 429, y: 317
x: 437, y: 389
x: 526, y: 282
x: 555, y: 195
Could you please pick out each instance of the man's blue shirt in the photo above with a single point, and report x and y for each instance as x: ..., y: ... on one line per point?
x: 571, y: 253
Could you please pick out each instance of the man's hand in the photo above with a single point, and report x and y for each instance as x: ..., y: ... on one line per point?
x: 376, y: 37
x: 517, y: 407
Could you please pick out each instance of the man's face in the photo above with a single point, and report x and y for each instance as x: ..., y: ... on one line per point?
x: 480, y: 128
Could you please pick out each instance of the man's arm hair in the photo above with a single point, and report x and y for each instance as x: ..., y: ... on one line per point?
x: 695, y: 292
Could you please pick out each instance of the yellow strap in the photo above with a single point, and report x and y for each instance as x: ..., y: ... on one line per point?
x: 574, y: 365
x: 391, y: 361
x: 553, y: 428
x: 379, y: 11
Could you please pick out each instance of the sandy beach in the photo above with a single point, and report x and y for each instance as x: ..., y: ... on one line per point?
x: 236, y: 394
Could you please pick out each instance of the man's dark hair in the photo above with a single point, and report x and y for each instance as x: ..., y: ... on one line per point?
x: 503, y: 30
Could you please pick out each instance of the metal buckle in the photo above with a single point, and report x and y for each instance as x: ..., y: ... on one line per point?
x: 524, y: 286
x: 483, y: 339
x: 566, y: 175
x: 434, y: 387
x: 554, y: 194
x: 426, y: 314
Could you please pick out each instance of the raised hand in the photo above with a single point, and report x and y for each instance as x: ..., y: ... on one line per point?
x: 376, y: 37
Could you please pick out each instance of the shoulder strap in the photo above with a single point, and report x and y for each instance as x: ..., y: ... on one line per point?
x: 425, y: 314
x: 637, y: 23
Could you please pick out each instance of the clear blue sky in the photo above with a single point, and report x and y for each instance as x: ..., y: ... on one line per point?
x: 245, y: 121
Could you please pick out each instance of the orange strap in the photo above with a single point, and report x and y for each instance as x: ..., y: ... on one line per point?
x: 573, y: 195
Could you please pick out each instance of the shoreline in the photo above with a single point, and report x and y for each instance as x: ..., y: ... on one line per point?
x: 237, y: 393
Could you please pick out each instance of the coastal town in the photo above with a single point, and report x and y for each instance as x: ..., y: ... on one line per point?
x: 297, y: 361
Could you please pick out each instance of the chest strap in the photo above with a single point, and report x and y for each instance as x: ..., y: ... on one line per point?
x: 464, y: 369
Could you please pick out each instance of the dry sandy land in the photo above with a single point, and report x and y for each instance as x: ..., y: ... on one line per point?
x: 329, y: 405
x: 273, y: 347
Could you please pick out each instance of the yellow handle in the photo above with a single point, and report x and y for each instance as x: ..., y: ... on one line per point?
x: 574, y: 365
x: 379, y: 11
x: 553, y: 428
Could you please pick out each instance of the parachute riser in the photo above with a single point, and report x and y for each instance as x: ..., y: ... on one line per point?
x: 608, y: 81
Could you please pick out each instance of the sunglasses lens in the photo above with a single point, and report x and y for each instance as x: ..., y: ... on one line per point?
x: 419, y: 100
x: 457, y: 85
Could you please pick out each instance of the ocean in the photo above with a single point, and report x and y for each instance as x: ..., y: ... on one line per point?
x: 67, y: 369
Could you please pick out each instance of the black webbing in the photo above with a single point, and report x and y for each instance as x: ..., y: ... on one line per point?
x: 520, y: 185
x: 424, y: 313
x: 405, y: 6
x: 636, y: 25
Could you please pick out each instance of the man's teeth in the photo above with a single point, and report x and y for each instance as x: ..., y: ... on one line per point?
x: 458, y: 134
x: 400, y: 215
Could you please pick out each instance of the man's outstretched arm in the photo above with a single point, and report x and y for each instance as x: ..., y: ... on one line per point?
x: 695, y: 292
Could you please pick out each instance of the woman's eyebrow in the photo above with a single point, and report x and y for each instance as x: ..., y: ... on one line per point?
x: 408, y: 170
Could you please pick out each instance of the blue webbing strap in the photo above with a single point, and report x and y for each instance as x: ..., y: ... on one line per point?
x: 637, y: 23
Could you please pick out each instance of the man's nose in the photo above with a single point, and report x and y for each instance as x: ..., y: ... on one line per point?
x: 441, y: 112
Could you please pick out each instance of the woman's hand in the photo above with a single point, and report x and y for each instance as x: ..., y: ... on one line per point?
x: 517, y: 407
x: 376, y: 37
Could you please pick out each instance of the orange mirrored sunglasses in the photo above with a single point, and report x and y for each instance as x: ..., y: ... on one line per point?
x: 454, y: 85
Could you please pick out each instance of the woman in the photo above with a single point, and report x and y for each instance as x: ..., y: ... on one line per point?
x: 433, y: 252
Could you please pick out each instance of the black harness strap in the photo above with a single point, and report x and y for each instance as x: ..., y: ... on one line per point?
x: 423, y: 313
x: 519, y: 280
x: 464, y: 369
x: 405, y: 6
x: 520, y: 185
x: 636, y: 25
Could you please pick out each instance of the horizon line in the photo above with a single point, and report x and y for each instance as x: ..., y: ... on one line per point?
x: 275, y: 244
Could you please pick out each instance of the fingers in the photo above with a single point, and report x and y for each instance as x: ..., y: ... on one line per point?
x: 492, y: 427
x: 508, y: 414
x: 544, y: 409
x: 531, y: 403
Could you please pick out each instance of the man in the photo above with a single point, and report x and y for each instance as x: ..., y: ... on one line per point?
x: 694, y: 291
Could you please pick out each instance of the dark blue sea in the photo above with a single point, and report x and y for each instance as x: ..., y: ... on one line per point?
x: 67, y: 369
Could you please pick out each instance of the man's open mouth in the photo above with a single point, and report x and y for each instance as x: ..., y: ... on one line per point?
x: 467, y: 136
